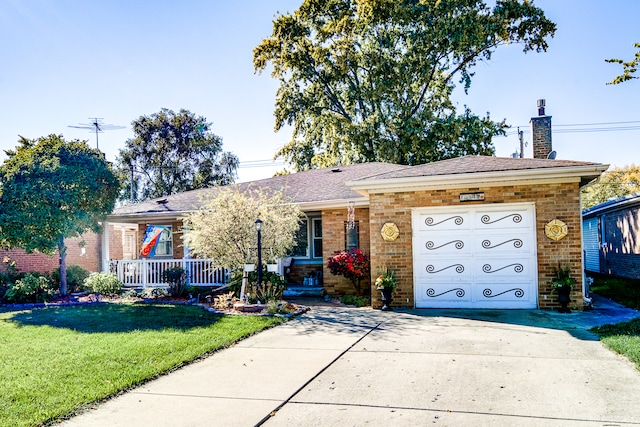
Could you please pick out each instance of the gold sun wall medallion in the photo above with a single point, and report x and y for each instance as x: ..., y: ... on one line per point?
x: 389, y: 231
x: 556, y: 229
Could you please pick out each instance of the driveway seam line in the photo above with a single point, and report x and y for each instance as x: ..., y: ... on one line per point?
x: 338, y: 357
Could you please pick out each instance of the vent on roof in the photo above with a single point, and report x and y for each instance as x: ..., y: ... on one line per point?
x: 336, y: 170
x: 161, y: 201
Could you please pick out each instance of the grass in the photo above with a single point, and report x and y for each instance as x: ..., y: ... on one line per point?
x: 55, y: 360
x: 623, y: 291
x: 623, y: 338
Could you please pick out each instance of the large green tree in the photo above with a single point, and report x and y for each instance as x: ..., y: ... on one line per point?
x: 371, y: 80
x: 171, y: 153
x: 613, y: 183
x: 53, y: 189
x: 629, y: 68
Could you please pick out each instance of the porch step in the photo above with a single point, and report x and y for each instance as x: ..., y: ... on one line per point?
x: 296, y: 291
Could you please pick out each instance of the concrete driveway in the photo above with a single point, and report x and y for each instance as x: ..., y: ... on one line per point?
x: 337, y: 366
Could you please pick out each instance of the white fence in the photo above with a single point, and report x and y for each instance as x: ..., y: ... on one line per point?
x: 148, y: 273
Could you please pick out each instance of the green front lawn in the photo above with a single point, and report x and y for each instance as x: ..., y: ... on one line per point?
x: 54, y: 360
x: 623, y: 338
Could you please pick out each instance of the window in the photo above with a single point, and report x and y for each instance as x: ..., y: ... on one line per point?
x: 351, y: 240
x: 301, y: 248
x: 309, y: 239
x: 165, y: 243
x: 317, y: 238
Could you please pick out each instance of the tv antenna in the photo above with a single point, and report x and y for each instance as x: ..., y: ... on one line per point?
x: 97, y: 126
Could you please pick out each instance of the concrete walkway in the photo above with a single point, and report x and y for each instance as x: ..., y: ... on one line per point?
x: 337, y: 366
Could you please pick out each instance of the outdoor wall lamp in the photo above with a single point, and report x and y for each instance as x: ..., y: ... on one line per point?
x: 259, y: 230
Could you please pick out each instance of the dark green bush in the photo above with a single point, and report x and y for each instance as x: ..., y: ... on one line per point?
x: 176, y: 279
x: 104, y: 283
x: 32, y: 288
x: 358, y: 301
x: 76, y: 276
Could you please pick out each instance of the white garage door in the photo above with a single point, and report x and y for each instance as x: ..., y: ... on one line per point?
x: 475, y: 257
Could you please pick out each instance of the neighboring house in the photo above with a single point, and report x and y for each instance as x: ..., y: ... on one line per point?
x: 612, y: 237
x: 84, y: 252
x: 470, y: 232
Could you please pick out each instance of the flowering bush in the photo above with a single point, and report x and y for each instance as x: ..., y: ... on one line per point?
x: 353, y: 265
x: 386, y: 279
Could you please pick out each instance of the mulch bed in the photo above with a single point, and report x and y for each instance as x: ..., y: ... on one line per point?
x: 84, y: 299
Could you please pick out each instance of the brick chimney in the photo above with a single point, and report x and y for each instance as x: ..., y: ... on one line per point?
x: 541, y: 133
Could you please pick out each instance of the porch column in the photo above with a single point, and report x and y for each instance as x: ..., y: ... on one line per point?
x: 186, y: 255
x: 105, y: 246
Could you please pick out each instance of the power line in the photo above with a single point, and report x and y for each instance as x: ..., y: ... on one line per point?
x: 633, y: 126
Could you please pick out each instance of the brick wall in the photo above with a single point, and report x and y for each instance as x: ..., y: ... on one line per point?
x: 89, y: 259
x: 621, y: 254
x: 333, y: 240
x: 552, y: 201
x: 30, y: 262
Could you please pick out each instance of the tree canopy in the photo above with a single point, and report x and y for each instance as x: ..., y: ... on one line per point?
x: 629, y: 68
x: 613, y: 183
x: 171, y: 153
x: 224, y: 228
x: 371, y: 80
x: 53, y: 189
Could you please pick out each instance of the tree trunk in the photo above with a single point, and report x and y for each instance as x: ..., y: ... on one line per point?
x: 62, y: 250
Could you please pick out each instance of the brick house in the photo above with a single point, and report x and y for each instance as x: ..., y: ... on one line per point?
x: 470, y: 232
x: 612, y: 237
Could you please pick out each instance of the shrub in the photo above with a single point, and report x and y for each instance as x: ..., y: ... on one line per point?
x: 264, y: 293
x: 355, y: 300
x: 32, y: 288
x: 353, y: 265
x: 104, y: 283
x: 278, y: 307
x: 130, y: 294
x: 222, y: 301
x: 10, y: 275
x: 177, y: 280
x: 154, y: 293
x: 76, y: 276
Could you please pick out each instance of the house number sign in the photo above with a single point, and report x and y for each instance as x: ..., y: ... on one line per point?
x: 471, y: 197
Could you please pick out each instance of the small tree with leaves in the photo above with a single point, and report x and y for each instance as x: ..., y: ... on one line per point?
x: 53, y: 189
x: 224, y: 228
x: 614, y: 183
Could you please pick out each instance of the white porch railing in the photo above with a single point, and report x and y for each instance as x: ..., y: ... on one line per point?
x: 148, y: 273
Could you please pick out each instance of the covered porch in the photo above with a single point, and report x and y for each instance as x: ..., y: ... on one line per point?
x: 144, y: 273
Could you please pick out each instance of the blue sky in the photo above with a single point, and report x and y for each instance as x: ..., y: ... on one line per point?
x: 66, y: 61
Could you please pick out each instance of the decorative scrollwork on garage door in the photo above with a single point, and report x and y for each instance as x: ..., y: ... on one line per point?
x: 519, y: 293
x: 518, y: 268
x: 517, y: 243
x: 431, y: 293
x: 457, y: 219
x: 432, y: 246
x: 432, y: 270
x: 486, y: 219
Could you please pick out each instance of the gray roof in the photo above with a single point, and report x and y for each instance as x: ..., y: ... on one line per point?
x: 475, y: 164
x: 315, y: 185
